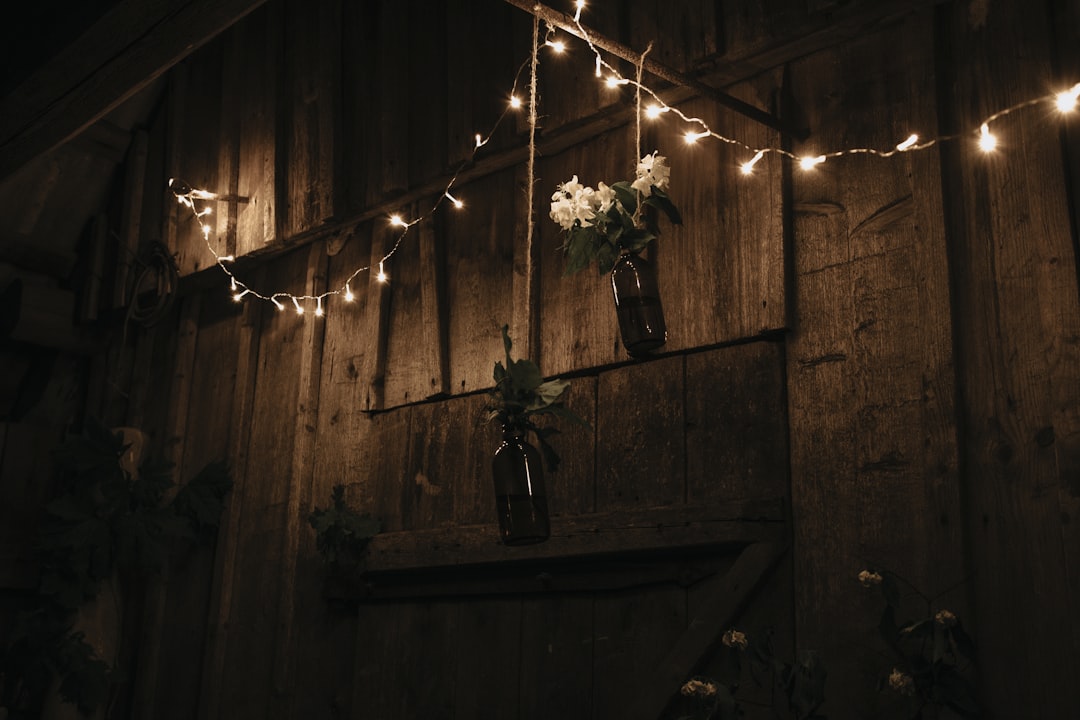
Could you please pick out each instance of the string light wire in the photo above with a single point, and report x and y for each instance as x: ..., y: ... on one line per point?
x: 199, y: 201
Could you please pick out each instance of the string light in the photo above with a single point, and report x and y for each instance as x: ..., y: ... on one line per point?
x: 654, y: 111
x: 748, y: 167
x: 198, y: 200
x: 1066, y: 99
x: 908, y: 144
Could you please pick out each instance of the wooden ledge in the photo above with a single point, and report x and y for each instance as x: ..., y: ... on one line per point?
x: 585, y: 552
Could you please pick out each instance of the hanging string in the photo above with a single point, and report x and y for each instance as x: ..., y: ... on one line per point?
x: 637, y: 124
x: 531, y: 167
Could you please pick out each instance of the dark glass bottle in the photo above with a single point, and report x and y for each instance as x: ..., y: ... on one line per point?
x: 637, y: 303
x: 520, y: 497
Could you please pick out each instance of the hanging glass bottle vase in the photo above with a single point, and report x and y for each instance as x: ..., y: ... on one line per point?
x: 637, y: 304
x: 520, y: 496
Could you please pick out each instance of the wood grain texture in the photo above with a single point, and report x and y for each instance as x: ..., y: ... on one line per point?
x: 243, y: 363
x: 257, y: 585
x: 736, y: 423
x: 640, y: 417
x: 312, y: 88
x: 722, y: 273
x: 251, y: 72
x: 1014, y: 261
x: 557, y: 638
x: 874, y: 453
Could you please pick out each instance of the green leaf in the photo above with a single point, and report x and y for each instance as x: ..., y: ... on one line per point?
x: 660, y: 200
x: 605, y: 259
x: 202, y: 500
x: 525, y: 376
x: 579, y: 249
x: 626, y: 195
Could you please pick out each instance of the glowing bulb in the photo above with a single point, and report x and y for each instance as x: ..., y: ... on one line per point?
x: 318, y: 307
x: 276, y: 303
x: 1066, y: 100
x: 232, y: 285
x: 299, y: 307
x: 748, y: 166
x: 556, y: 45
x: 349, y: 297
x: 226, y: 258
x: 457, y: 203
x: 515, y: 102
x: 808, y: 163
x: 599, y: 72
x: 381, y: 277
x: 238, y: 296
x: 396, y: 220
x: 206, y: 230
x: 987, y: 141
x: 910, y: 142
x: 613, y: 82
x: 654, y: 111
x: 692, y: 137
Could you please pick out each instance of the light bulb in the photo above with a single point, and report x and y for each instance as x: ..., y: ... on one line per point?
x: 653, y: 111
x: 808, y: 163
x: 556, y: 45
x: 1066, y: 100
x: 318, y: 306
x: 349, y: 297
x: 987, y: 141
x: 910, y: 142
x: 299, y: 307
x: 381, y: 277
x: 396, y: 220
x: 692, y: 137
x: 457, y: 203
x: 748, y: 166
x: 515, y: 102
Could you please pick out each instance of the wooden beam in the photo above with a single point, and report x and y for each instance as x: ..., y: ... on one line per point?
x: 581, y: 536
x: 703, y: 632
x: 122, y: 53
x: 566, y: 23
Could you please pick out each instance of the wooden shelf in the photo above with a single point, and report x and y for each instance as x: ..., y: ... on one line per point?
x: 596, y: 551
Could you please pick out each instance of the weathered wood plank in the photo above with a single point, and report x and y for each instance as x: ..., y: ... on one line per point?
x: 171, y: 447
x: 434, y: 310
x: 736, y: 423
x: 1013, y: 255
x: 632, y: 633
x: 488, y: 659
x: 703, y: 632
x: 257, y: 584
x: 251, y: 73
x: 131, y: 215
x: 312, y: 61
x: 592, y: 534
x: 479, y: 285
x: 384, y: 663
x: 409, y: 370
x: 375, y: 321
x: 244, y: 364
x: 870, y: 373
x: 298, y: 607
x: 182, y: 633
x: 557, y: 641
x: 125, y: 51
x: 640, y: 426
x: 722, y: 272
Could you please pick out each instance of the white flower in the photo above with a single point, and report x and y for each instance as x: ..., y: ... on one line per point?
x: 699, y: 688
x: 901, y: 682
x: 868, y: 578
x: 574, y: 203
x: 734, y: 638
x: 945, y: 619
x: 652, y: 170
x: 605, y: 196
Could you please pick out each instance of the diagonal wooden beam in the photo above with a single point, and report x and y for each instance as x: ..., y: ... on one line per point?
x: 703, y: 633
x: 126, y: 50
x: 566, y: 23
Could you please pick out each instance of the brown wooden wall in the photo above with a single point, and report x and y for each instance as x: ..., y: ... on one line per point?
x: 887, y: 346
